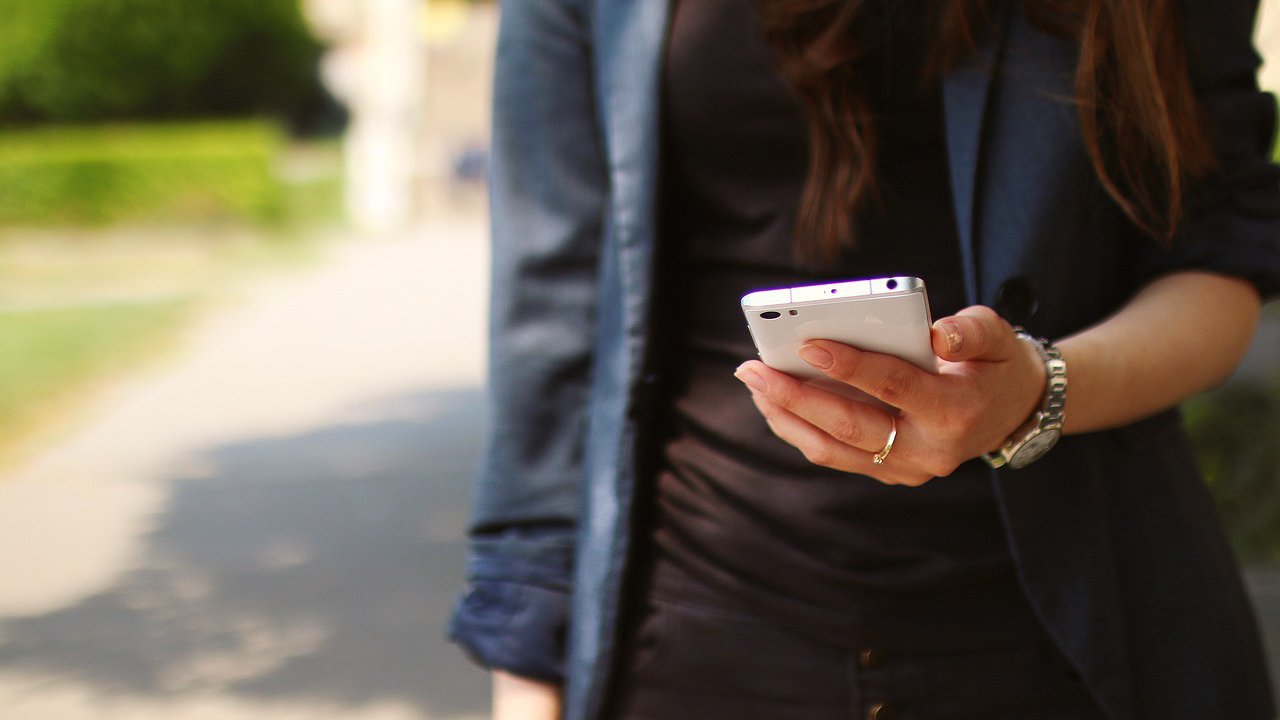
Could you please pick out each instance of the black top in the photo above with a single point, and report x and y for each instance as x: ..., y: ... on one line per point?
x: 736, y: 505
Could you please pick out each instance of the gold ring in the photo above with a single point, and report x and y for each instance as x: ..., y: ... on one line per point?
x: 879, y: 457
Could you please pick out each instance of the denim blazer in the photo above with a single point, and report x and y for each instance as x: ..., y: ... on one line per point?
x: 1114, y: 535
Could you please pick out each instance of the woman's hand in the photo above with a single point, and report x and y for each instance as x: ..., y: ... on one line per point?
x: 518, y: 698
x: 989, y: 383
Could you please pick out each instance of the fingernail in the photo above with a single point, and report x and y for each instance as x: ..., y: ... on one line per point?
x: 954, y: 341
x: 817, y: 357
x: 752, y: 379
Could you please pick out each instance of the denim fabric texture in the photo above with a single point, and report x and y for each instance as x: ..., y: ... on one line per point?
x: 514, y: 611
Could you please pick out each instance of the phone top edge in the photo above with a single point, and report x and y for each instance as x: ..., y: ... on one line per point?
x: 766, y: 298
x: 832, y: 292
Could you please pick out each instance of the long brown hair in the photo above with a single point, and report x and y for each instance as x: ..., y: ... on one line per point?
x: 1139, y: 118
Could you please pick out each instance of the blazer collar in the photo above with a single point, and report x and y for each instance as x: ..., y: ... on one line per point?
x: 966, y: 91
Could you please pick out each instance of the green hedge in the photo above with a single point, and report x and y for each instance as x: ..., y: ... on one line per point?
x: 1236, y: 434
x: 186, y: 172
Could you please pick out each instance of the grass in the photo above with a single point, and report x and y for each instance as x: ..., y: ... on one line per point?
x: 81, y: 304
x: 48, y: 356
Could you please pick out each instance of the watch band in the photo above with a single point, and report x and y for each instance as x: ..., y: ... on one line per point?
x: 1046, y: 423
x: 1055, y: 391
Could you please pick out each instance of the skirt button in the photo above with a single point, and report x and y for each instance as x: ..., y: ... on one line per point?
x: 879, y: 711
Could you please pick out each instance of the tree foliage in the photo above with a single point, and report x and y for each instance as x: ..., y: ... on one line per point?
x: 91, y: 60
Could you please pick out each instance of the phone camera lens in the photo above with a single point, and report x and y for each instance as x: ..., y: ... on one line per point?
x: 793, y: 313
x: 771, y: 315
x: 892, y: 284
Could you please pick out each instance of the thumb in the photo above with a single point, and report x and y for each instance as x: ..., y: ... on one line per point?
x: 974, y: 333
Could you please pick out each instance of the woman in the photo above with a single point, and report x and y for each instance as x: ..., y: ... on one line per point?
x: 1097, y: 175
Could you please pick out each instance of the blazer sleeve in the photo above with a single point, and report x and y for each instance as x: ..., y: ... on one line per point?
x: 548, y: 190
x: 1233, y: 224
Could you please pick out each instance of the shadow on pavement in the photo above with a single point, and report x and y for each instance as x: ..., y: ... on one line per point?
x: 318, y: 567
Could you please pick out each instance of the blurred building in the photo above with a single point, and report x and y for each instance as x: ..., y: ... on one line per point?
x: 376, y: 67
x: 415, y: 76
x: 1269, y: 43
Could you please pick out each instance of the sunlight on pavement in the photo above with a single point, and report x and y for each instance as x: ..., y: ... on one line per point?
x: 40, y: 700
x: 297, y: 473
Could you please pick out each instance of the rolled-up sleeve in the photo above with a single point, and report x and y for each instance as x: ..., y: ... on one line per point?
x: 513, y: 612
x: 548, y: 190
x: 1233, y: 221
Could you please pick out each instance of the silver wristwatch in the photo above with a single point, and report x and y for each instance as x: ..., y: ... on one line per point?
x: 1042, y: 431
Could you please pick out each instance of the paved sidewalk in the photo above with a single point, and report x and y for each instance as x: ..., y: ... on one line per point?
x: 269, y: 525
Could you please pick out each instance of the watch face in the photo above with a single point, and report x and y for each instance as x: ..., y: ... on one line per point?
x: 1034, y: 448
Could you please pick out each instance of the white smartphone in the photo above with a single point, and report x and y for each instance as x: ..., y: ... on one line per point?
x: 884, y: 315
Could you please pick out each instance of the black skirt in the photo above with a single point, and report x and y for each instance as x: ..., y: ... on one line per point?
x: 689, y: 655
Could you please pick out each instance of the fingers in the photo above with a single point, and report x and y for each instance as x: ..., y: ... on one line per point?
x: 817, y: 446
x: 974, y: 333
x: 850, y: 423
x: 947, y: 417
x: 887, y: 378
x: 828, y: 429
x: 519, y: 697
x: 820, y: 448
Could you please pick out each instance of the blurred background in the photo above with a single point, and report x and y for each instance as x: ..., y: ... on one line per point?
x: 242, y: 285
